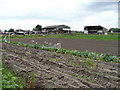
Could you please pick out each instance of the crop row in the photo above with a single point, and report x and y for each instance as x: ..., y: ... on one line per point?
x: 85, y: 54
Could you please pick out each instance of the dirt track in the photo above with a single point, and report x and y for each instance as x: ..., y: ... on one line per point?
x: 99, y: 46
x: 53, y: 70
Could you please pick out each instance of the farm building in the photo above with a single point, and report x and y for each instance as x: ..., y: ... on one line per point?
x: 56, y: 29
x: 19, y: 32
x: 36, y: 32
x: 95, y: 30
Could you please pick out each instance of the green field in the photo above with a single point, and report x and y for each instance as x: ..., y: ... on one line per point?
x: 23, y: 36
x: 113, y: 36
x: 90, y: 36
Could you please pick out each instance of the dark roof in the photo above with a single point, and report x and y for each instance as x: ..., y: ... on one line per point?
x: 93, y: 27
x: 56, y: 26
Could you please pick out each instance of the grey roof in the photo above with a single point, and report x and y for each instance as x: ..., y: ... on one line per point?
x: 56, y: 26
x: 98, y: 27
x: 17, y: 30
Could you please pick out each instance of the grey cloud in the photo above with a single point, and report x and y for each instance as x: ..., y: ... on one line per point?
x: 103, y: 6
x: 73, y: 15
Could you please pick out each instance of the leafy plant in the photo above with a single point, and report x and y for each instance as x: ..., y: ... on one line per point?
x: 55, y: 59
x: 35, y: 46
x: 61, y: 51
x: 85, y: 54
x: 11, y: 80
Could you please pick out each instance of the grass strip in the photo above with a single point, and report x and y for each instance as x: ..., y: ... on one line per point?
x: 113, y: 36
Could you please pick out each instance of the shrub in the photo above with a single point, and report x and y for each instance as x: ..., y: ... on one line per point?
x: 53, y: 49
x: 61, y: 51
x: 35, y: 46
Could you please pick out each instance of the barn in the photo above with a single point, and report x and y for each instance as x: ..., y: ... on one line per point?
x: 95, y: 29
x: 56, y: 29
x: 19, y: 32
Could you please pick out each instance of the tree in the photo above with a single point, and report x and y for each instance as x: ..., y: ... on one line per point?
x: 38, y: 28
x: 114, y: 29
x: 5, y: 31
x: 11, y: 30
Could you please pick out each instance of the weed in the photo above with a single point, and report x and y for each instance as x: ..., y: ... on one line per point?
x: 74, y: 63
x: 55, y: 59
x: 80, y: 77
x: 89, y: 63
x: 30, y: 82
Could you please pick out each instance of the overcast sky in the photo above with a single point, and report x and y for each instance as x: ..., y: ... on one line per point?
x: 26, y: 14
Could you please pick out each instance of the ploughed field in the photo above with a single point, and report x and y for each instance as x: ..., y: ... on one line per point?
x: 99, y: 46
x: 53, y: 70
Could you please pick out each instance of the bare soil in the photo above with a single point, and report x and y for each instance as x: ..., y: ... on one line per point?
x: 99, y: 46
x: 53, y: 70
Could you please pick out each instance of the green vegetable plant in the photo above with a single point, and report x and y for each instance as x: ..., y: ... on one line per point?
x: 85, y: 54
x: 11, y: 80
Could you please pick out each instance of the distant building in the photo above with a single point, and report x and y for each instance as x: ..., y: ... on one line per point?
x: 96, y: 30
x: 20, y: 32
x: 36, y: 32
x: 56, y: 29
x: 1, y: 31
